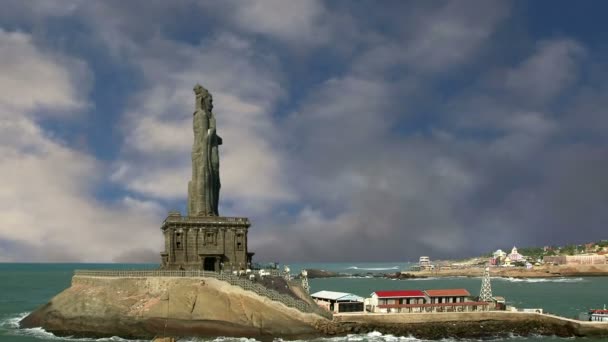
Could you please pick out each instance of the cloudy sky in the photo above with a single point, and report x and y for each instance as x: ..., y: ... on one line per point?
x: 352, y: 130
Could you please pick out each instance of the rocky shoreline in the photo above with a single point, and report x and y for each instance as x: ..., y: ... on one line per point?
x: 149, y: 307
x: 551, y: 271
x: 456, y: 329
x: 556, y: 271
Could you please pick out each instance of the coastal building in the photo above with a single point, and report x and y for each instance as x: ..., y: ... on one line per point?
x: 425, y: 263
x: 588, y: 259
x: 499, y: 254
x: 447, y: 296
x: 501, y: 303
x: 595, y: 315
x: 598, y: 315
x: 515, y: 256
x: 337, y: 302
x: 498, y: 257
x: 412, y: 301
x: 389, y: 301
x: 591, y: 247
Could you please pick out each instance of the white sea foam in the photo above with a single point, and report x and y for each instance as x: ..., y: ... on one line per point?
x: 373, y: 268
x: 543, y: 280
x: 435, y: 278
x: 420, y: 279
x: 12, y: 324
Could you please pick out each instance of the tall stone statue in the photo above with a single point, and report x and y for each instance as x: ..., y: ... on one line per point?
x: 204, y: 188
x: 204, y: 240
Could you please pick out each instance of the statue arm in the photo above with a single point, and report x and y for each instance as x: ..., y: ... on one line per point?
x: 212, y: 132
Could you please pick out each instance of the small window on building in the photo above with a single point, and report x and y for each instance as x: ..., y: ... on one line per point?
x: 178, y: 240
x: 209, y: 238
x: 239, y: 242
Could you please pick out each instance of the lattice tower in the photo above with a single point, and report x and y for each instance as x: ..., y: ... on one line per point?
x: 485, y: 295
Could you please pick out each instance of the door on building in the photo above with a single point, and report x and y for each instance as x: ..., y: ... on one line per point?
x: 209, y: 264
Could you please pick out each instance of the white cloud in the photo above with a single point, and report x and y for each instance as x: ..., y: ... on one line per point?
x: 348, y: 176
x: 31, y: 78
x: 47, y: 204
x: 543, y: 75
x: 301, y: 22
x: 435, y: 38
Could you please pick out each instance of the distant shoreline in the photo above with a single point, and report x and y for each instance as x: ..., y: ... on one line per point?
x: 514, y: 272
x: 545, y: 271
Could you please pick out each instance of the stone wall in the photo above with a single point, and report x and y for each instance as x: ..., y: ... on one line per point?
x: 576, y: 259
x: 211, y: 243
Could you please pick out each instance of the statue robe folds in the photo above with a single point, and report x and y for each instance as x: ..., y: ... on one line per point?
x: 204, y: 188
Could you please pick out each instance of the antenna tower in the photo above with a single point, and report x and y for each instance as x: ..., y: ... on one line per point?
x: 485, y: 295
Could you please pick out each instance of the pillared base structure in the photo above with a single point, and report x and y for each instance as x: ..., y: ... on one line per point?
x: 210, y: 243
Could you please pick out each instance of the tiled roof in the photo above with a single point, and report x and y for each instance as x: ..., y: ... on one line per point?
x: 448, y: 293
x: 331, y: 295
x: 399, y: 293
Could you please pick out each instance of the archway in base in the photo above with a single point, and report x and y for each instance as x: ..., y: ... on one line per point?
x: 209, y: 264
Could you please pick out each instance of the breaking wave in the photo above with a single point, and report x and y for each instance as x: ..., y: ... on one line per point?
x: 12, y: 325
x: 369, y: 337
x: 379, y: 337
x: 373, y: 268
x: 542, y: 280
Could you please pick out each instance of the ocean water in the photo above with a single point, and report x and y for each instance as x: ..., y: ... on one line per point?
x: 24, y: 287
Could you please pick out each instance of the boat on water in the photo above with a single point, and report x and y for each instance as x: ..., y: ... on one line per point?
x: 595, y: 315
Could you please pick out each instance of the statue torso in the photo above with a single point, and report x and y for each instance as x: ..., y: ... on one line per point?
x: 201, y: 125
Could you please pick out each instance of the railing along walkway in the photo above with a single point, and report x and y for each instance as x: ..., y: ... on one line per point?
x: 243, y: 283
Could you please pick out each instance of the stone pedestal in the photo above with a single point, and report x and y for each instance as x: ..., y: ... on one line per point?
x: 211, y: 243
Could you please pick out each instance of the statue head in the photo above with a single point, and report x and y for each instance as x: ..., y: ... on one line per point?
x: 204, y: 99
x: 208, y: 102
x: 201, y: 94
x: 199, y: 89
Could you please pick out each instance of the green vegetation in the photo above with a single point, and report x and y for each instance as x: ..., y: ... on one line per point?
x: 534, y: 252
x: 571, y: 249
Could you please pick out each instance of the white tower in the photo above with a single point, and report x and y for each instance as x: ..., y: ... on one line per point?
x: 485, y: 295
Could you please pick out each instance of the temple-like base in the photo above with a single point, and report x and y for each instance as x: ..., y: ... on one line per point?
x: 211, y: 243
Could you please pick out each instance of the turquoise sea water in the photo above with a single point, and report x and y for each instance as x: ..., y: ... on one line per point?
x: 24, y: 287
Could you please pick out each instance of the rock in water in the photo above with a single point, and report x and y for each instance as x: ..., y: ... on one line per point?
x: 164, y: 339
x: 164, y: 306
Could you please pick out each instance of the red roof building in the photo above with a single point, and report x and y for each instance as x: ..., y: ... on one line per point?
x: 448, y: 293
x: 399, y: 294
x: 447, y: 300
x: 447, y: 296
x: 398, y: 297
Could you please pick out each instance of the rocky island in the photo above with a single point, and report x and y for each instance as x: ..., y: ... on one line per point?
x: 149, y: 306
x: 146, y: 307
x: 205, y: 286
